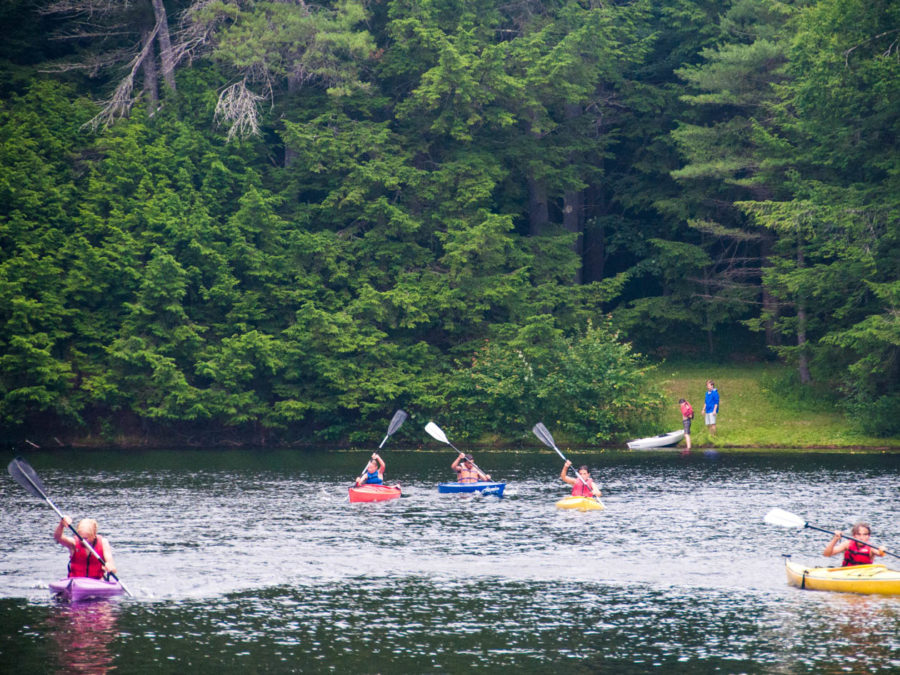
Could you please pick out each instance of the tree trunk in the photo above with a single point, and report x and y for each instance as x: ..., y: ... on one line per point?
x: 151, y: 75
x: 573, y: 207
x: 573, y: 222
x: 166, y: 55
x: 538, y: 211
x: 803, y: 359
x: 769, y: 304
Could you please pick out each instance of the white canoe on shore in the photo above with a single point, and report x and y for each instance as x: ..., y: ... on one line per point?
x: 661, y: 441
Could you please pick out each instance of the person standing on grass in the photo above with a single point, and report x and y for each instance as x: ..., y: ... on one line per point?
x: 711, y: 406
x: 687, y: 415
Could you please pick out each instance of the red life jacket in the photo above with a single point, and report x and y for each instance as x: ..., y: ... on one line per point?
x: 82, y: 562
x: 582, y: 490
x: 686, y: 410
x: 464, y: 475
x: 857, y: 554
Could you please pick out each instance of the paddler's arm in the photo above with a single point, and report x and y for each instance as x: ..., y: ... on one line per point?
x: 880, y: 552
x: 107, y: 554
x: 61, y: 538
x: 381, y: 465
x: 455, y: 465
x: 564, y: 474
x: 484, y: 476
x: 595, y: 490
x: 833, y: 547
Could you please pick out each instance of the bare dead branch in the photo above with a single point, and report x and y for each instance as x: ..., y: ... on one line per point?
x: 865, y: 42
x: 122, y: 100
x: 238, y: 107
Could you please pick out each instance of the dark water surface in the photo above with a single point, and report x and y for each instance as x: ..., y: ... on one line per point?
x: 255, y: 561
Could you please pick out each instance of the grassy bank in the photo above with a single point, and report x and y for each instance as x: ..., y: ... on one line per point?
x: 755, y: 414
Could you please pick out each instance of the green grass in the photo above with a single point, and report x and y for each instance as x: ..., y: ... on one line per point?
x: 755, y: 413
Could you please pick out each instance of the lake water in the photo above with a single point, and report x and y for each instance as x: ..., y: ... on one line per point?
x: 254, y: 561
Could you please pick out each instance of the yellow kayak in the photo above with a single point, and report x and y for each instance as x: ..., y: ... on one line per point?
x: 580, y: 503
x: 853, y: 579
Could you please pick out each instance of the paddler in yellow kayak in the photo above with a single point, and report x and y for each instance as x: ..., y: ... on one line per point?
x: 466, y: 471
x: 374, y: 473
x: 583, y: 486
x: 854, y: 553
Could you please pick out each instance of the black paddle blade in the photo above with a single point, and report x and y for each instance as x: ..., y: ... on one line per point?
x: 543, y: 435
x: 25, y: 476
x: 397, y: 421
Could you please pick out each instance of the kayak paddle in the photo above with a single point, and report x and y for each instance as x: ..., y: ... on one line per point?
x: 25, y: 476
x: 544, y: 437
x: 436, y: 433
x: 784, y: 518
x: 396, y: 422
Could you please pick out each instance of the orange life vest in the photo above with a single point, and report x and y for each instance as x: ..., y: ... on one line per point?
x: 464, y: 475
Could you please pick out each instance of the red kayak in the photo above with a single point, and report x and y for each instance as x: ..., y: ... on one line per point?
x: 84, y: 588
x: 374, y: 493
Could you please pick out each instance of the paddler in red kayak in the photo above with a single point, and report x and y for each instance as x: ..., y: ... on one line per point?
x: 582, y: 486
x: 82, y: 562
x: 466, y: 471
x: 854, y: 553
x: 374, y: 473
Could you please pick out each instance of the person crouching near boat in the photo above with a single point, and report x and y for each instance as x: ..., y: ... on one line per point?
x: 466, y: 471
x: 83, y: 563
x: 374, y: 474
x: 854, y: 553
x: 582, y: 486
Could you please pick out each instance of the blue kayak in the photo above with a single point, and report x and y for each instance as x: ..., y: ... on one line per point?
x: 482, y: 487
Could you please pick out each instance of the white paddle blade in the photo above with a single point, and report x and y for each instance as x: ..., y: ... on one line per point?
x: 435, y: 432
x: 784, y: 518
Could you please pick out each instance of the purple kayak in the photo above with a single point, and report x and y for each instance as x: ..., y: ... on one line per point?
x: 85, y: 588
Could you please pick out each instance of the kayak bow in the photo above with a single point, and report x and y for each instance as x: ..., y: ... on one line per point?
x: 374, y: 493
x: 75, y: 589
x: 484, y: 487
x: 869, y: 579
x: 580, y: 504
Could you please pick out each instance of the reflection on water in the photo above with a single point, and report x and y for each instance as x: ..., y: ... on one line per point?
x: 244, y: 561
x: 82, y: 633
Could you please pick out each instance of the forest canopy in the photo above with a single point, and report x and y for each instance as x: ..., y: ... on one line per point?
x: 283, y: 220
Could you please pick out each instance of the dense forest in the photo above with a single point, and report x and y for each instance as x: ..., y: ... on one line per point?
x: 279, y: 221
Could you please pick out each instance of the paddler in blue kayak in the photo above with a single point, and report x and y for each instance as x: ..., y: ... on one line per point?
x: 374, y: 473
x: 582, y: 486
x: 466, y: 471
x: 82, y: 562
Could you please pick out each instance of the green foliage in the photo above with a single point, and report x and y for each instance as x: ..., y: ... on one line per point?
x: 432, y: 180
x: 592, y: 385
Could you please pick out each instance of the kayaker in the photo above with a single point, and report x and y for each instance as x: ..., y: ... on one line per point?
x: 82, y: 562
x: 583, y: 486
x: 466, y: 471
x: 374, y: 474
x: 687, y: 416
x: 854, y: 553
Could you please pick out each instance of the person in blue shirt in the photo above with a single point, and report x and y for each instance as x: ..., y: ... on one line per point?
x: 374, y: 473
x: 711, y: 406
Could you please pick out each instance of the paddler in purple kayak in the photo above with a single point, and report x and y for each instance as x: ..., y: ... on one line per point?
x: 82, y: 562
x: 374, y: 473
x: 466, y: 471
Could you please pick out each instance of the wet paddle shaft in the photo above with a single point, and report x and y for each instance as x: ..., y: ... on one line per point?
x: 437, y: 433
x: 544, y: 436
x: 396, y: 422
x: 25, y: 476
